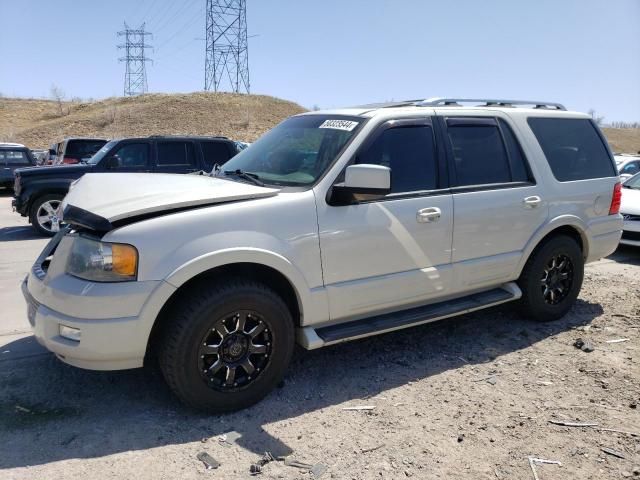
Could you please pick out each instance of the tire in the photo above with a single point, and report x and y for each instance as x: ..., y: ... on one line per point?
x: 195, y: 374
x: 539, y: 301
x: 39, y: 209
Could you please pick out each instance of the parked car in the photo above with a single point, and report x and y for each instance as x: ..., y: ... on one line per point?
x: 76, y: 150
x: 12, y: 156
x: 333, y: 226
x: 630, y: 210
x: 39, y: 191
x: 627, y: 165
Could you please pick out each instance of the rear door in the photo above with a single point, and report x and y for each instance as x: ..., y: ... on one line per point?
x: 175, y: 156
x: 498, y: 205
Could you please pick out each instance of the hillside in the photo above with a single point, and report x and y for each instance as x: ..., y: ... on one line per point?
x: 37, y: 123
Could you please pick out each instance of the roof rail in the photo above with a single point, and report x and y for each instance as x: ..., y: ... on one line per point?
x: 487, y: 102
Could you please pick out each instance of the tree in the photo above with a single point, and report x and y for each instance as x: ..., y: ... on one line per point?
x: 595, y: 117
x: 58, y: 95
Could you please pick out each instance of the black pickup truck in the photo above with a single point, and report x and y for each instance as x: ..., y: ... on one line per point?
x: 38, y: 191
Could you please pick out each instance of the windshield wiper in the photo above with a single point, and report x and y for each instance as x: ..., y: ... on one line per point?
x: 249, y: 176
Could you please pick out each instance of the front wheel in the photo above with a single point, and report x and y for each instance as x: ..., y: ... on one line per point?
x: 551, y: 279
x: 44, y: 214
x: 224, y: 348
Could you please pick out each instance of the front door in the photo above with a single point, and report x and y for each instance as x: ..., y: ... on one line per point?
x: 389, y: 253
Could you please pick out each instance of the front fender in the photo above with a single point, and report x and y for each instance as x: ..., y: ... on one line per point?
x: 312, y: 303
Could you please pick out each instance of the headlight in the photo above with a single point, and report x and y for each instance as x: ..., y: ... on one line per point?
x: 101, y: 261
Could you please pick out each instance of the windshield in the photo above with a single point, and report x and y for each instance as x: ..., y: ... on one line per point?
x: 298, y: 151
x: 102, y: 152
x: 633, y: 182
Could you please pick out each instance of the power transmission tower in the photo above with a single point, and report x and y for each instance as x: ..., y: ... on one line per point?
x: 135, y: 75
x: 226, y: 52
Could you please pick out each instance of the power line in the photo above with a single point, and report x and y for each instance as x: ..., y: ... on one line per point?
x: 191, y: 21
x: 226, y: 49
x: 135, y: 76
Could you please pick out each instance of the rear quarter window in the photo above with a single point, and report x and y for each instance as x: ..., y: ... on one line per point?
x: 573, y: 147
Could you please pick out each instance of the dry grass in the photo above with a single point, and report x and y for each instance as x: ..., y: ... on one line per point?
x: 37, y: 123
x: 623, y: 140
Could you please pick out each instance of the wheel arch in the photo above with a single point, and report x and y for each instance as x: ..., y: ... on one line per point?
x: 566, y: 225
x: 205, y: 272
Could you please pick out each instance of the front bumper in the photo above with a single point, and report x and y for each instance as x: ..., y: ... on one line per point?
x: 114, y: 318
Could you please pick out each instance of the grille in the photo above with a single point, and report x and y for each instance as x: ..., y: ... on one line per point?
x: 627, y: 235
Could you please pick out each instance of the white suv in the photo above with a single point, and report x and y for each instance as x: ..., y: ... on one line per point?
x: 335, y: 225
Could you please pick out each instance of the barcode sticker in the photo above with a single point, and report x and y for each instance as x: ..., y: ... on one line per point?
x: 346, y: 125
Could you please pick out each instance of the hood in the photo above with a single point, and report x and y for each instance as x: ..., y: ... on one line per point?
x: 630, y: 201
x: 99, y: 201
x: 63, y: 171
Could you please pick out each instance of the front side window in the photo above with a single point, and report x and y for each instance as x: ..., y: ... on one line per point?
x: 214, y: 152
x: 298, y: 151
x: 410, y: 154
x: 479, y: 154
x: 175, y: 154
x: 573, y: 148
x: 133, y: 155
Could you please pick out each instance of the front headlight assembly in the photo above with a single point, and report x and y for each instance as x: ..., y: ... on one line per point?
x: 102, y: 261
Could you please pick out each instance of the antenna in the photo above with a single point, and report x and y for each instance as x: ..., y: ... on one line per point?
x: 226, y: 51
x: 135, y: 74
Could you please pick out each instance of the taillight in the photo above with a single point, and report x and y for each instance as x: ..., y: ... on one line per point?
x: 614, y: 209
x: 70, y: 160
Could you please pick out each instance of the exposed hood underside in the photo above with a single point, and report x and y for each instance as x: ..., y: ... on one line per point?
x: 104, y: 201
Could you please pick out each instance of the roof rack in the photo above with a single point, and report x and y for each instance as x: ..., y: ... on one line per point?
x: 487, y: 102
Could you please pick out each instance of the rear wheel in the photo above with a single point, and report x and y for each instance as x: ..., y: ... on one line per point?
x: 44, y: 214
x: 551, y: 279
x: 224, y: 348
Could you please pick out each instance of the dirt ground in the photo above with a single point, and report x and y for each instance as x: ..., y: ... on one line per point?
x: 467, y: 398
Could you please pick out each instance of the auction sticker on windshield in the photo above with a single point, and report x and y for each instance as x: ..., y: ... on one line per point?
x: 346, y: 125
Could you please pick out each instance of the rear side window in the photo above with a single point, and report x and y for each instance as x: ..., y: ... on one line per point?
x: 519, y: 169
x: 479, y: 154
x: 573, y: 147
x: 410, y: 154
x: 14, y: 157
x: 175, y: 153
x: 214, y: 152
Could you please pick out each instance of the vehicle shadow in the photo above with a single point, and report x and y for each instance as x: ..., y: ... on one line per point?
x: 21, y: 232
x: 51, y: 412
x: 626, y: 254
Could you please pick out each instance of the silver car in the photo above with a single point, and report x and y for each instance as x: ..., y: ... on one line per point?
x: 334, y: 225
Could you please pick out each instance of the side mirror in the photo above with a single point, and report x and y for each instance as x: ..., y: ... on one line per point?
x: 362, y: 181
x: 111, y: 162
x: 52, y: 152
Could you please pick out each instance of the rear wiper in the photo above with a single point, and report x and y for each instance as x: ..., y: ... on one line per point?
x: 251, y: 177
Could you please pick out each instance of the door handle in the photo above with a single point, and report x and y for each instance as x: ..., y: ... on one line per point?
x: 532, y: 202
x: 426, y: 215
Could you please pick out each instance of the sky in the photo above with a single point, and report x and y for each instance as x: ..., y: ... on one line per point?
x: 331, y: 53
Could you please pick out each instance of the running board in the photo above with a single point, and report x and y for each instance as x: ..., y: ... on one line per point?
x: 311, y: 338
